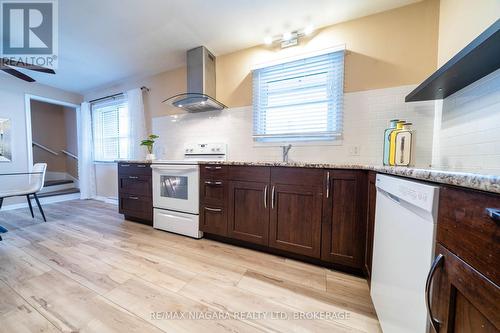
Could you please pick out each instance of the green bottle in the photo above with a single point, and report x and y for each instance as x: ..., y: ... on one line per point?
x: 387, y: 140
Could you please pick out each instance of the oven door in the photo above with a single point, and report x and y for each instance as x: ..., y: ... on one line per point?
x: 175, y: 187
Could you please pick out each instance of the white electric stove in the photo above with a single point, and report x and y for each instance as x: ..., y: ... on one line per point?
x: 176, y: 188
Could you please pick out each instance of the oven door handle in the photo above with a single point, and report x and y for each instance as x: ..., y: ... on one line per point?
x: 179, y: 168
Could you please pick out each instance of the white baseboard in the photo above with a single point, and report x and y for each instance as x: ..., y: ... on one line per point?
x: 109, y: 200
x: 44, y: 201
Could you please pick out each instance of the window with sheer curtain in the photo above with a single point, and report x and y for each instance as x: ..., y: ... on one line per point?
x: 110, y: 127
x: 299, y: 100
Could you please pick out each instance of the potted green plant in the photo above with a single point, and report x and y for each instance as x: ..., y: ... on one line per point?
x: 149, y: 144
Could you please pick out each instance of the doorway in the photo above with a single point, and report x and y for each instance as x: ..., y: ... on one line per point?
x: 52, y: 128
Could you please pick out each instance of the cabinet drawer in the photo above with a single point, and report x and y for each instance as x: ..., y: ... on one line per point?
x: 134, y: 168
x: 466, y: 230
x: 136, y: 206
x: 250, y: 173
x: 135, y: 184
x: 213, y: 220
x: 213, y: 190
x: 297, y: 176
x: 213, y: 172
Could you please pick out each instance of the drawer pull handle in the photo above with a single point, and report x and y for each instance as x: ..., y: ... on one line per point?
x: 124, y: 165
x: 218, y: 210
x: 213, y: 168
x: 208, y: 182
x: 437, y: 262
x: 133, y: 177
x: 328, y: 184
x: 133, y: 198
x: 272, y: 198
x: 494, y: 214
x: 265, y: 197
x: 141, y: 166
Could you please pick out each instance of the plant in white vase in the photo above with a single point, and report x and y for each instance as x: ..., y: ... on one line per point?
x: 149, y: 143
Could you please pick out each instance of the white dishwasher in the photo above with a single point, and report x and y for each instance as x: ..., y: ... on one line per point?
x: 403, y: 248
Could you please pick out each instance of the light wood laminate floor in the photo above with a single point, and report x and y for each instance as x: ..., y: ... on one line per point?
x: 87, y: 270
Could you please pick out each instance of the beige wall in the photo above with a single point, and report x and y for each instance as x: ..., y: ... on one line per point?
x: 54, y: 126
x: 393, y: 48
x: 47, y: 127
x: 460, y: 21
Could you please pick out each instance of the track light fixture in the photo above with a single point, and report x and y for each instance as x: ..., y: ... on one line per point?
x: 289, y: 38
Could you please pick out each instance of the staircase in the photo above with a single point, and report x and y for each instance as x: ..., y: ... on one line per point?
x: 59, y: 187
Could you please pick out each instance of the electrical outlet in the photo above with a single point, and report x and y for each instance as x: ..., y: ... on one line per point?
x: 354, y: 150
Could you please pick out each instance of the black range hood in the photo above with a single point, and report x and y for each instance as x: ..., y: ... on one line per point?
x: 478, y: 59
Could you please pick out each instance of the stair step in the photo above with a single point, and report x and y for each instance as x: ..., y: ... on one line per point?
x: 57, y: 182
x: 61, y: 192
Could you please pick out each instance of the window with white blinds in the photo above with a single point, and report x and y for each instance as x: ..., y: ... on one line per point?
x: 299, y: 100
x: 110, y: 130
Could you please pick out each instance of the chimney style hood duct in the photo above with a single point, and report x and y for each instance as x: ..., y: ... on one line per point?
x: 200, y: 96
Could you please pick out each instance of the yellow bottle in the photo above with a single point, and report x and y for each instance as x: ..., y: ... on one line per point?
x: 392, y: 144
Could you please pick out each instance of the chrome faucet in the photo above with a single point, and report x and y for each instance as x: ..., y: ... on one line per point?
x: 286, y: 149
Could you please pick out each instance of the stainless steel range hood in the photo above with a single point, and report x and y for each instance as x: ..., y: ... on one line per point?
x: 200, y: 83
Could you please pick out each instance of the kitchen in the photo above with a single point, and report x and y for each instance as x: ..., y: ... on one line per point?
x: 326, y: 176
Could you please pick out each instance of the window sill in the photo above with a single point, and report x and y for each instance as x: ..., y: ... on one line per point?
x: 338, y: 142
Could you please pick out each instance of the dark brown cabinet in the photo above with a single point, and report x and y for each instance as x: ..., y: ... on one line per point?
x: 290, y: 210
x: 463, y: 299
x: 464, y: 292
x: 296, y: 210
x: 135, y: 191
x: 344, y: 225
x: 248, y: 211
x: 213, y: 219
x: 370, y: 223
x: 213, y: 195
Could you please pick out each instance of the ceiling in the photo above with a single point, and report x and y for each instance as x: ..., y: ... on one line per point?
x: 103, y: 41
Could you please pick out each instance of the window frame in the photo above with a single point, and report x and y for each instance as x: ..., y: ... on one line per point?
x: 334, y: 96
x: 117, y: 102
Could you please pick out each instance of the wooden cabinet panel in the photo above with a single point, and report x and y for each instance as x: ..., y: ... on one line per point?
x: 295, y: 224
x: 213, y: 171
x: 297, y: 176
x: 135, y: 184
x: 134, y: 168
x: 463, y: 300
x: 250, y: 173
x: 248, y: 211
x: 212, y: 191
x: 343, y: 228
x: 140, y: 207
x: 213, y: 219
x: 466, y: 229
x: 135, y: 191
x: 370, y: 223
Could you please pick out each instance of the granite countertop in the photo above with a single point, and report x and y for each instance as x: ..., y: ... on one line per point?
x: 134, y: 161
x: 489, y: 183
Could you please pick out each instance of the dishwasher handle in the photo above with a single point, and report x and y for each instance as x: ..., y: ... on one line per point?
x: 435, y: 264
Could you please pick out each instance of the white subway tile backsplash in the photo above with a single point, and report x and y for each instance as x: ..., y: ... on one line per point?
x: 366, y: 115
x: 468, y: 138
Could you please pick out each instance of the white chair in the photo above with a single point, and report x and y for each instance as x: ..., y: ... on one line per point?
x: 27, y: 187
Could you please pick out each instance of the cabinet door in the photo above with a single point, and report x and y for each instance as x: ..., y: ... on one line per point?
x: 463, y: 300
x: 248, y: 211
x: 213, y: 219
x: 370, y: 223
x: 343, y: 231
x: 296, y: 218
